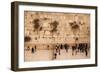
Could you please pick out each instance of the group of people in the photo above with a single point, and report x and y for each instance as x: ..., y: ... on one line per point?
x: 76, y: 48
x: 57, y: 49
x: 80, y: 47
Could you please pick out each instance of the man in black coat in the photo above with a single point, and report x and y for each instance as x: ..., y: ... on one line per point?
x: 66, y: 47
x: 32, y: 50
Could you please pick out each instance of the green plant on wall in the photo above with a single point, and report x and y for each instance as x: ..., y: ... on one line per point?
x: 75, y: 29
x: 53, y: 26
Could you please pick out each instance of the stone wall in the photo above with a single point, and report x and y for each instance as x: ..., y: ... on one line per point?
x: 64, y: 32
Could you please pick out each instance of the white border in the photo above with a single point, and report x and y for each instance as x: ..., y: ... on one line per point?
x: 23, y: 64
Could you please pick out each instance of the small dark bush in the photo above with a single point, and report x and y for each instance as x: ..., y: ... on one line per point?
x: 27, y: 38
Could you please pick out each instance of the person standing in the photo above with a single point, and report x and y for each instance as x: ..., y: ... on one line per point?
x: 54, y: 54
x: 35, y: 48
x: 66, y: 47
x: 61, y: 46
x: 32, y: 50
